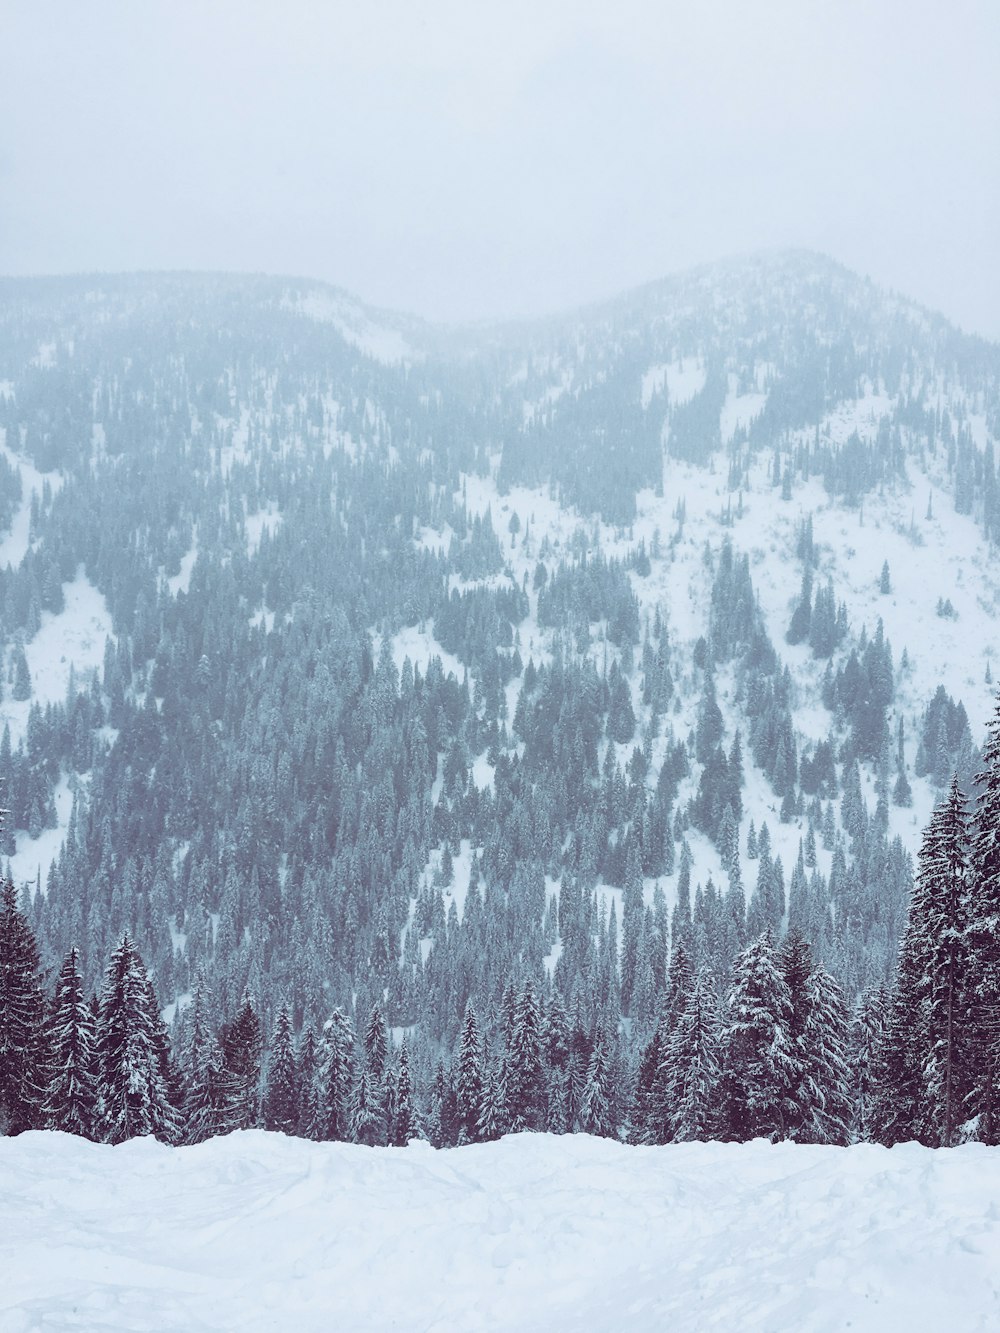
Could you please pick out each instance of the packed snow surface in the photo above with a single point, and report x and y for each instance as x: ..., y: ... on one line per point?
x: 256, y: 1231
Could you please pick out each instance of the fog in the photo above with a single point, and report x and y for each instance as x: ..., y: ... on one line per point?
x: 470, y: 161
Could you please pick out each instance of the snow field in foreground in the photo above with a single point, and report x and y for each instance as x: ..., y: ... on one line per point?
x: 256, y: 1231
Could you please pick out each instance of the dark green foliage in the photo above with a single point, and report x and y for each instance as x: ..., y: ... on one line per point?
x: 761, y: 1066
x: 242, y: 1047
x: 276, y: 781
x: 134, y: 1087
x: 22, y: 1021
x: 71, y: 1095
x: 282, y: 1090
x: 337, y: 1079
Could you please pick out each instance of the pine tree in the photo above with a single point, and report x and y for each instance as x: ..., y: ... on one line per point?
x: 209, y: 1095
x: 71, y: 1096
x: 828, y: 1075
x: 524, y: 1063
x: 944, y: 876
x: 596, y: 1114
x: 493, y: 1120
x: 367, y: 1110
x: 406, y: 1120
x: 692, y: 1064
x: 796, y: 963
x: 22, y: 1021
x: 281, y: 1092
x: 898, y: 1107
x: 309, y: 1062
x: 469, y: 1078
x: 171, y: 1128
x: 649, y: 1118
x: 983, y: 944
x: 759, y: 1061
x: 22, y: 676
x: 242, y: 1045
x: 337, y: 1079
x: 133, y: 1091
x: 867, y: 1032
x: 376, y: 1043
x: 631, y: 924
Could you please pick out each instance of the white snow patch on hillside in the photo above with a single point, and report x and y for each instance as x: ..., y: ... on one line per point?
x: 941, y: 557
x: 739, y: 409
x: 15, y: 542
x: 181, y: 581
x: 419, y: 645
x: 72, y: 639
x: 269, y: 519
x: 356, y: 326
x: 683, y: 379
x: 457, y: 891
x: 34, y: 856
x: 261, y: 1232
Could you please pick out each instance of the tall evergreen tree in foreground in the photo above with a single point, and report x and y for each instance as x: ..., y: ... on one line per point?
x: 469, y: 1078
x: 983, y: 945
x: 759, y: 1062
x: 134, y: 1093
x: 944, y: 878
x: 336, y: 1079
x: 22, y: 1021
x: 242, y: 1045
x: 281, y: 1095
x: 692, y: 1060
x: 405, y: 1116
x: 71, y: 1095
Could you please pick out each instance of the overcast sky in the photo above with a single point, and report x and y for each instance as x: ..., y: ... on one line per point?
x: 477, y: 158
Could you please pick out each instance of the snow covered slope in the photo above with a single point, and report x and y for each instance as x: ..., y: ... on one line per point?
x: 256, y: 1231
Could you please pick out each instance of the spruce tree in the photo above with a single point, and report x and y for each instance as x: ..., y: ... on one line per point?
x: 759, y: 1061
x: 337, y: 1079
x: 406, y: 1118
x: 983, y: 945
x: 309, y: 1058
x: 692, y: 1064
x: 368, y: 1124
x: 281, y: 1091
x: 524, y: 1063
x: 493, y: 1121
x: 795, y: 961
x: 22, y: 1021
x: 242, y: 1046
x: 209, y: 1096
x: 71, y: 1095
x: 898, y: 1106
x: 133, y: 1091
x: 867, y: 1031
x: 469, y: 1078
x: 376, y: 1042
x: 828, y: 1075
x: 649, y: 1117
x: 596, y: 1114
x: 944, y: 880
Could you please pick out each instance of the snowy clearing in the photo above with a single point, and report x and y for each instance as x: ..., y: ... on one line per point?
x: 256, y: 1231
x: 72, y: 640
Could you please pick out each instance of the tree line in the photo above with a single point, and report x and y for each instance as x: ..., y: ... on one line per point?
x: 775, y: 1052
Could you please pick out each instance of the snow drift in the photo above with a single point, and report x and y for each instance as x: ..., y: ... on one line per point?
x: 256, y: 1231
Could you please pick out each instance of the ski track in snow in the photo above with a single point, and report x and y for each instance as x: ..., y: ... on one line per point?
x: 260, y: 1232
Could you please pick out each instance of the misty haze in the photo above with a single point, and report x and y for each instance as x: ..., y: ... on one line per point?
x: 499, y: 618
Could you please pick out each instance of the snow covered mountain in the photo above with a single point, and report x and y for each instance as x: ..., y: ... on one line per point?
x: 320, y: 623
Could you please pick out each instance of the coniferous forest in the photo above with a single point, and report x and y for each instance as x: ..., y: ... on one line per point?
x: 409, y: 797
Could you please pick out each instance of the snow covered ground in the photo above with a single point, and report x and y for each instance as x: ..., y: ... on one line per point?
x: 259, y: 1232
